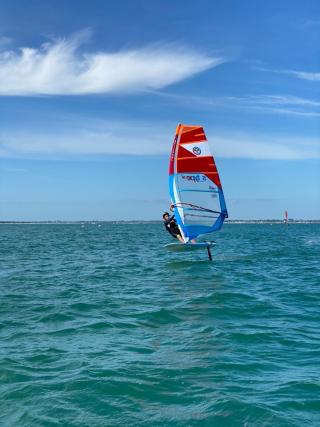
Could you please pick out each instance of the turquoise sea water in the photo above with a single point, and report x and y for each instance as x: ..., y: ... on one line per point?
x: 101, y: 326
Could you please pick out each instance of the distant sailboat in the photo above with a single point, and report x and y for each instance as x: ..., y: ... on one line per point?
x: 285, y: 217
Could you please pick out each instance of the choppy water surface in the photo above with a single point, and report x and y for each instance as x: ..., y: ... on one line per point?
x: 100, y: 326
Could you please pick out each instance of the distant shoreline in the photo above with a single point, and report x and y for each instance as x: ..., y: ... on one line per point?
x: 96, y: 222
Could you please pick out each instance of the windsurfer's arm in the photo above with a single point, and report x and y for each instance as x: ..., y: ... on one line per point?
x: 169, y: 220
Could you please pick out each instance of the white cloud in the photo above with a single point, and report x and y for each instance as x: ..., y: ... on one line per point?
x: 106, y: 138
x: 5, y: 41
x: 273, y: 147
x: 60, y: 68
x: 281, y: 100
x: 304, y: 75
x: 270, y: 104
x: 278, y: 104
x: 98, y: 137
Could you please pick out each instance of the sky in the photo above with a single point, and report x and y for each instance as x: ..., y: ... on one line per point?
x: 91, y: 93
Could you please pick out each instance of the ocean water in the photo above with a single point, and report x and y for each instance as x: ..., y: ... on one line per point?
x: 101, y: 326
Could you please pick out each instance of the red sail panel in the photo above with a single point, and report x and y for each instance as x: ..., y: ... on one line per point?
x: 203, y: 165
x: 192, y: 134
x: 186, y: 159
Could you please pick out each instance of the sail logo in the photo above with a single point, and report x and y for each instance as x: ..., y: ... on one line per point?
x: 196, y: 151
x: 194, y: 178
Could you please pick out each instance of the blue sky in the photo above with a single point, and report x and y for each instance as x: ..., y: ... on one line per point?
x: 91, y: 93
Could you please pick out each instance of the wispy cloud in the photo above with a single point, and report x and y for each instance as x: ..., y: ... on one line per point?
x: 14, y: 170
x: 269, y: 104
x: 5, y: 41
x: 97, y: 137
x: 278, y: 104
x: 281, y: 100
x: 273, y: 147
x: 62, y: 68
x: 117, y: 138
x: 303, y: 75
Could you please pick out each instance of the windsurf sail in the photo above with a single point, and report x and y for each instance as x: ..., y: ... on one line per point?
x: 194, y: 184
x: 285, y: 217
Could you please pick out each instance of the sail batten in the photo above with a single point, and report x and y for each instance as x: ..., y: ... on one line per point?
x: 194, y: 183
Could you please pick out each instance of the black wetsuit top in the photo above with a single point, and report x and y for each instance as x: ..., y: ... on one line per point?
x: 172, y: 226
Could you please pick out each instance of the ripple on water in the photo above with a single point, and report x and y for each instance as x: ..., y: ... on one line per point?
x: 102, y: 326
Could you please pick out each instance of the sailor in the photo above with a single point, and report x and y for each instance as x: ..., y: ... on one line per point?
x: 172, y: 226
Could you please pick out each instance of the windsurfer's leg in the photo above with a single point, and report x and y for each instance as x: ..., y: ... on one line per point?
x: 180, y: 238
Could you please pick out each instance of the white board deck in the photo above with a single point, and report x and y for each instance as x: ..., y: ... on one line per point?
x: 187, y: 247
